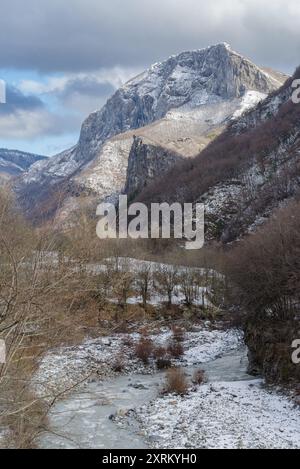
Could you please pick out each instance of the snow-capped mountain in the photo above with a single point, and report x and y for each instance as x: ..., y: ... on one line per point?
x: 187, y: 81
x: 14, y: 162
x: 180, y: 104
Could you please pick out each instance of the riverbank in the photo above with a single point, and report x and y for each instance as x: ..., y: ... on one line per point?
x: 96, y: 359
x: 230, y: 415
x: 126, y: 410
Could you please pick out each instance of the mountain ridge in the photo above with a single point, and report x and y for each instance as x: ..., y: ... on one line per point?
x: 14, y: 162
x: 200, y: 89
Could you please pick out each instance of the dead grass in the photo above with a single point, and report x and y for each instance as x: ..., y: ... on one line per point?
x: 178, y: 334
x: 176, y: 382
x: 159, y: 352
x: 175, y: 349
x: 118, y: 365
x: 163, y: 363
x: 198, y: 377
x: 144, y: 350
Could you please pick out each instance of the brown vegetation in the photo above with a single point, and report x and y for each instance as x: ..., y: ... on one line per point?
x: 163, y: 363
x: 175, y: 349
x: 176, y: 382
x: 198, y: 377
x: 144, y: 350
x: 264, y: 271
x: 178, y: 334
x: 229, y: 156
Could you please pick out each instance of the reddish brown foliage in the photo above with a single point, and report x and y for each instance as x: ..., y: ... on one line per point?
x: 225, y: 157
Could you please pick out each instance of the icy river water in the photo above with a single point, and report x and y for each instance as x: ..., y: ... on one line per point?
x: 83, y: 419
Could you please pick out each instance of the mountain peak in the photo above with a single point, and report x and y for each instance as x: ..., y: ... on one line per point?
x: 223, y: 45
x: 193, y: 77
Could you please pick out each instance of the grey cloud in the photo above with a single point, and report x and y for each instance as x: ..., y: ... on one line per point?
x: 17, y: 101
x: 75, y: 35
x: 87, y: 87
x: 84, y: 95
x: 26, y: 116
x: 28, y: 125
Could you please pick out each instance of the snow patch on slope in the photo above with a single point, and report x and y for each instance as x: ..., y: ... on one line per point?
x: 249, y: 101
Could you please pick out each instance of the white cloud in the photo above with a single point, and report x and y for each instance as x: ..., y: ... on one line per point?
x: 116, y: 76
x: 30, y: 124
x: 76, y: 96
x: 84, y: 49
x: 80, y: 92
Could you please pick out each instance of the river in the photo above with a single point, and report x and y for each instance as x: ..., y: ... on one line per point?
x: 83, y: 419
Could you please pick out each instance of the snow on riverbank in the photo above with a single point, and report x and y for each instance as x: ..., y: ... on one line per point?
x: 222, y: 415
x: 66, y: 366
x: 205, y: 346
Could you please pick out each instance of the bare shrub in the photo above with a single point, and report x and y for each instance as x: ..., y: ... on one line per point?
x: 118, y: 364
x: 127, y: 341
x: 159, y: 352
x: 144, y: 332
x: 198, y: 377
x: 163, y: 363
x: 162, y: 357
x: 175, y: 349
x: 176, y: 382
x: 144, y: 350
x: 178, y: 334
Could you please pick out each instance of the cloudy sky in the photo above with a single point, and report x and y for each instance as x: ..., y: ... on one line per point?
x: 61, y: 59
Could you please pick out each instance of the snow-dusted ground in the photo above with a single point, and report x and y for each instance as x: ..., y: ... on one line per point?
x: 221, y: 415
x: 230, y: 411
x: 205, y: 346
x: 66, y: 366
x: 139, y: 265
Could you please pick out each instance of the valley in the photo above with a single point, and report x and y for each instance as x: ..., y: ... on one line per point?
x: 145, y: 343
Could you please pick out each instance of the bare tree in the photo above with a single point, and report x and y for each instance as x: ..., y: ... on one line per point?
x: 189, y: 286
x: 144, y: 282
x: 166, y: 281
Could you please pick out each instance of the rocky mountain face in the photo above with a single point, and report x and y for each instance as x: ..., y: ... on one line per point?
x: 246, y: 173
x: 14, y: 162
x: 190, y: 78
x: 180, y: 104
x: 146, y: 163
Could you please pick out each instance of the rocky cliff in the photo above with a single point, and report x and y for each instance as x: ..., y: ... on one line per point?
x: 146, y: 163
